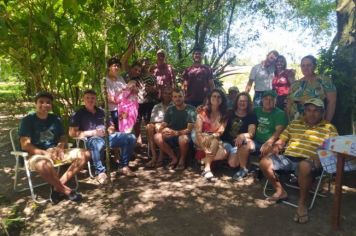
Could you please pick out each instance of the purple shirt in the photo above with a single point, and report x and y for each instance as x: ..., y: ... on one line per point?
x: 197, y: 79
x: 86, y: 120
x: 164, y: 75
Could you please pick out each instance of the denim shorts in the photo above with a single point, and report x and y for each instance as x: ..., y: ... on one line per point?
x: 230, y: 148
x: 291, y: 164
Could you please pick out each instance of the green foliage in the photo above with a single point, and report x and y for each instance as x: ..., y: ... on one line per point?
x: 336, y: 65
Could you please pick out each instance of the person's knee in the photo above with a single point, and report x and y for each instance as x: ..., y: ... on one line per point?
x: 96, y: 144
x: 304, y: 168
x: 265, y: 163
x: 183, y: 139
x: 131, y: 139
x: 42, y: 165
x: 158, y: 138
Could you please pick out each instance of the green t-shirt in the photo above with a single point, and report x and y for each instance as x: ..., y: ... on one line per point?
x: 179, y: 119
x: 267, y: 122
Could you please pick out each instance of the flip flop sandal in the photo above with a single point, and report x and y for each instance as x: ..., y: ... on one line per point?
x: 301, y: 219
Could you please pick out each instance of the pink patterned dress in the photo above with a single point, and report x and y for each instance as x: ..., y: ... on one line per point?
x: 128, y: 110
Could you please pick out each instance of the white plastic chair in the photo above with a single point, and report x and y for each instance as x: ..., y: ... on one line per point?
x: 17, y: 153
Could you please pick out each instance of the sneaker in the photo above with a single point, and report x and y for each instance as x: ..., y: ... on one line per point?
x: 74, y: 196
x: 240, y: 174
x: 56, y: 196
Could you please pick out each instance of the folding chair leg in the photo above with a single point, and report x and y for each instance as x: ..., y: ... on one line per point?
x: 28, y: 173
x: 90, y: 171
x: 16, y: 173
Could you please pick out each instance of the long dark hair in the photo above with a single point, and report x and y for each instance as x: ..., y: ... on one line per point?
x: 249, y: 103
x: 222, y: 107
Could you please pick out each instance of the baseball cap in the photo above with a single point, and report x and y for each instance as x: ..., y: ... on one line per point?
x: 161, y: 51
x: 233, y: 89
x: 271, y: 93
x: 316, y: 102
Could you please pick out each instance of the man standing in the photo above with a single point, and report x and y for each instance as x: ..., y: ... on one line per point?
x: 262, y: 76
x: 301, y: 138
x: 197, y: 80
x: 175, y: 130
x: 163, y: 72
x: 88, y: 123
x: 42, y: 136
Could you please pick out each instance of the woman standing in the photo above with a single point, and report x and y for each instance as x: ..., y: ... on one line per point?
x: 282, y: 80
x: 210, y: 125
x: 239, y: 133
x: 311, y: 86
x: 114, y: 83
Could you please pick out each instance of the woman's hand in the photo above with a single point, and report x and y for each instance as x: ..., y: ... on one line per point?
x: 240, y: 140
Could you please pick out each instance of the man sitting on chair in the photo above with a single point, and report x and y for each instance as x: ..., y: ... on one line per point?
x: 157, y: 116
x: 88, y: 122
x: 42, y: 136
x: 175, y: 130
x: 302, y: 137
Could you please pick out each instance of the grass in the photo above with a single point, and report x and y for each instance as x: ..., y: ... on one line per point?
x: 11, y: 91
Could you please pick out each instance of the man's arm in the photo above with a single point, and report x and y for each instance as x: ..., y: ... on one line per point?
x: 248, y: 86
x: 251, y: 79
x: 211, y: 84
x: 185, y: 131
x: 267, y: 146
x: 74, y: 132
x: 27, y: 146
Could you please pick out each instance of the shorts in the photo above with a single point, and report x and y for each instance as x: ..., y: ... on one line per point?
x: 230, y: 148
x: 69, y: 155
x: 256, y: 150
x: 173, y: 141
x: 291, y: 164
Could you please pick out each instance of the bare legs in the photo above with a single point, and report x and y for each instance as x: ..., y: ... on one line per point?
x: 183, y: 142
x: 47, y: 172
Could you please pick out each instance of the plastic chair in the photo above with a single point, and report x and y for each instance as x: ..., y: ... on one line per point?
x: 18, y: 154
x: 77, y: 144
x: 293, y: 184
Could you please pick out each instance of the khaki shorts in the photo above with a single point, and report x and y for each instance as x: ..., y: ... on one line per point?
x: 69, y: 155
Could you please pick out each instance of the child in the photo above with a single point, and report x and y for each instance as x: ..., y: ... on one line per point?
x: 128, y: 107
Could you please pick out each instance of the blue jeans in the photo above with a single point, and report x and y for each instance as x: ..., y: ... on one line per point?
x: 96, y: 145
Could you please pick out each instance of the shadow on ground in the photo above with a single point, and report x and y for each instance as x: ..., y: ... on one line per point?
x: 164, y: 202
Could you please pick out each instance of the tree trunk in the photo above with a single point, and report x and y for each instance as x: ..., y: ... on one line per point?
x: 345, y: 61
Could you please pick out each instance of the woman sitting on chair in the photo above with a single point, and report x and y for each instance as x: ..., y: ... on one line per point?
x: 210, y: 125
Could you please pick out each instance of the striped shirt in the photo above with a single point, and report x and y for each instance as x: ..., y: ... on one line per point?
x: 303, y: 140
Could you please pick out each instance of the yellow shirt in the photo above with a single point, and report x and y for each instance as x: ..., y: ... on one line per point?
x: 303, y: 140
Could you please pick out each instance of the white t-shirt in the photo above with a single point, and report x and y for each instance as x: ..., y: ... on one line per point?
x: 114, y: 87
x: 262, y: 77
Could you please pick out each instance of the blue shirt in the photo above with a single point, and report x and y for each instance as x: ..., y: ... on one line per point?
x: 86, y: 120
x: 44, y: 133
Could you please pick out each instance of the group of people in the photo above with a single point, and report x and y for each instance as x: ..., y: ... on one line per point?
x: 284, y: 124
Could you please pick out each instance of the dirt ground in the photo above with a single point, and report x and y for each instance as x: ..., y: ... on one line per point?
x: 163, y: 202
